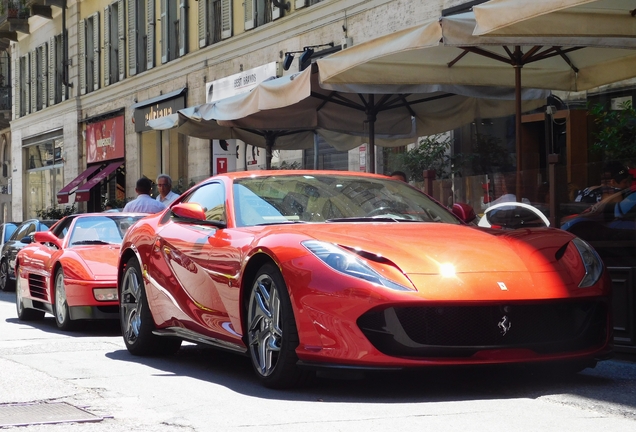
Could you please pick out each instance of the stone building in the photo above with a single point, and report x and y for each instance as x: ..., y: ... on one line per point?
x: 88, y: 74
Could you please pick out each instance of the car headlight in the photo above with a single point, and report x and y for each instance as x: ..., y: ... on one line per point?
x: 591, y: 261
x: 349, y: 264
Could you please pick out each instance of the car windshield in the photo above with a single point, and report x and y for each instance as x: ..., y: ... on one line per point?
x: 306, y: 198
x: 107, y: 229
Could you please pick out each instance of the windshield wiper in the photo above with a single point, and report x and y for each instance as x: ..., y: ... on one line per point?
x: 371, y: 219
x: 91, y: 242
x: 281, y: 223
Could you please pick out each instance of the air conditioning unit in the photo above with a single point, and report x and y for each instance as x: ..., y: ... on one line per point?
x: 346, y: 42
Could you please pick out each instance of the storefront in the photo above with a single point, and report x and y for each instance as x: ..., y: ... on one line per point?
x: 43, y: 167
x: 104, y: 178
x: 162, y: 152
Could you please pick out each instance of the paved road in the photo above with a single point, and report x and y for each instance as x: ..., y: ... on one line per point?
x: 201, y: 389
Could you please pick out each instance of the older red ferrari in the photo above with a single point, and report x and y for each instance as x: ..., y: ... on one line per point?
x: 70, y: 271
x: 307, y: 270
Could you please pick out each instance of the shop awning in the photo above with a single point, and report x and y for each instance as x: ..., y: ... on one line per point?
x: 63, y: 194
x: 83, y: 193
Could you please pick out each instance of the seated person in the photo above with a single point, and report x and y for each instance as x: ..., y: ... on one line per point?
x: 615, y: 178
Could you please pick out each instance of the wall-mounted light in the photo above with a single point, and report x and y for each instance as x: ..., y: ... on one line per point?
x: 305, y: 54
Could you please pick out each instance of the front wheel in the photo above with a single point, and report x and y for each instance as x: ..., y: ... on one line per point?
x: 5, y: 281
x: 60, y: 305
x: 136, y: 320
x: 271, y: 331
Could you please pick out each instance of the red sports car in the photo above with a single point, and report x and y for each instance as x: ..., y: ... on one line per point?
x: 303, y: 270
x: 70, y: 271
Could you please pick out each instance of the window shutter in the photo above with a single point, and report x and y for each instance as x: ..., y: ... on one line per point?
x: 132, y: 37
x: 17, y: 85
x: 300, y: 4
x: 96, y: 48
x: 150, y: 53
x: 183, y: 27
x: 44, y: 68
x: 51, y: 77
x: 226, y: 19
x: 203, y: 23
x: 163, y: 18
x: 82, y: 56
x: 107, y: 45
x: 275, y: 11
x: 121, y: 39
x: 34, y: 83
x: 250, y: 14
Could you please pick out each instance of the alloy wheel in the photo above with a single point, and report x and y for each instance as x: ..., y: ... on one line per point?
x: 265, y: 331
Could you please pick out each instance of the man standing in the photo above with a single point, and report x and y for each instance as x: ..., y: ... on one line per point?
x: 164, y: 184
x: 144, y: 202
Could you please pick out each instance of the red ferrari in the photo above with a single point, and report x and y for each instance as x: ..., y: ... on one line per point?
x: 70, y: 271
x: 309, y: 270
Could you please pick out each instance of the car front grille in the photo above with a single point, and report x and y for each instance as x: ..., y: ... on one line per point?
x: 37, y: 286
x: 461, y: 331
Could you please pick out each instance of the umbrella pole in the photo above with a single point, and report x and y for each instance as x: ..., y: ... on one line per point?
x: 269, y: 143
x: 371, y: 120
x: 517, y: 66
x: 316, y: 148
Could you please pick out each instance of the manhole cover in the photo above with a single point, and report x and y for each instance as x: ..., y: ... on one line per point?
x: 44, y: 413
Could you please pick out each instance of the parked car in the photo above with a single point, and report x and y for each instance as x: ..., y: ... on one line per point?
x: 308, y: 270
x: 22, y: 236
x: 610, y: 226
x: 6, y: 229
x: 70, y: 271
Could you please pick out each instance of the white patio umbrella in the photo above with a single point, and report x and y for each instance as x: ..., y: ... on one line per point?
x: 384, y: 115
x: 598, y: 21
x: 447, y: 52
x: 189, y: 121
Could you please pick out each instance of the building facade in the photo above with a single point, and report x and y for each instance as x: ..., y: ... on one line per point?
x: 87, y: 75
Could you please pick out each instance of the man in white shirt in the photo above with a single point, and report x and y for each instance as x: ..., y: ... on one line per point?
x: 144, y: 203
x: 164, y: 184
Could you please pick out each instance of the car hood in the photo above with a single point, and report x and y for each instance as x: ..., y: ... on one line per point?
x: 420, y: 248
x: 101, y: 261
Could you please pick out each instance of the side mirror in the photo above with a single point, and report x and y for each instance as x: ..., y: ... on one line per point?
x: 26, y: 240
x: 47, y: 237
x: 188, y: 211
x: 463, y: 211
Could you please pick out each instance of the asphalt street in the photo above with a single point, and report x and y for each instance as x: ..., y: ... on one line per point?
x: 200, y: 389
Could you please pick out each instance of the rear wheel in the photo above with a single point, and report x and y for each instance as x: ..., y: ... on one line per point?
x: 271, y: 331
x: 60, y: 305
x: 5, y: 281
x: 136, y: 320
x: 24, y: 314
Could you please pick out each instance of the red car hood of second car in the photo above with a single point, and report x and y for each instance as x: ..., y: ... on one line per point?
x: 101, y: 261
x: 419, y: 248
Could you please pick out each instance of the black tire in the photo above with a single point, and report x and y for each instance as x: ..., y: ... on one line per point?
x: 136, y: 319
x: 5, y: 282
x: 61, y: 311
x: 25, y: 314
x: 272, y: 336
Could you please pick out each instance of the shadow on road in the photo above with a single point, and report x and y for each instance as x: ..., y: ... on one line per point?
x: 423, y: 385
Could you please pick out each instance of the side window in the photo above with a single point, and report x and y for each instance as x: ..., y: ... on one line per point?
x: 62, y: 229
x: 212, y: 198
x: 22, y: 231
